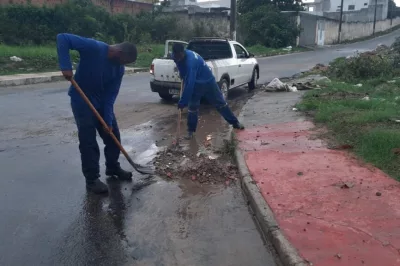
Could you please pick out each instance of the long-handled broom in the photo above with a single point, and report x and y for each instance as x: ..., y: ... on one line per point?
x: 139, y: 168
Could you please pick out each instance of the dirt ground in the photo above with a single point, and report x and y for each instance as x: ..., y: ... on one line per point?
x: 206, y: 165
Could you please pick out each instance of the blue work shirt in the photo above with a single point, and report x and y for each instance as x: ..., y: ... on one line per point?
x: 98, y: 77
x: 193, y: 70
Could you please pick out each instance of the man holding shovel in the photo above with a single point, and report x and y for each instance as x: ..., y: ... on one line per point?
x: 199, y: 82
x: 99, y: 74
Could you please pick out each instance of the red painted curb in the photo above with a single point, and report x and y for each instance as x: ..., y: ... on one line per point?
x: 333, y: 209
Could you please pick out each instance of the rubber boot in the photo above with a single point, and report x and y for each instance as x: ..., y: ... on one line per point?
x: 189, y: 136
x: 120, y: 174
x: 238, y: 126
x: 96, y: 187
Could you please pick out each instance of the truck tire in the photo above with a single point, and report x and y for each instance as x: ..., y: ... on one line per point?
x: 165, y: 96
x: 224, y: 88
x: 253, y: 82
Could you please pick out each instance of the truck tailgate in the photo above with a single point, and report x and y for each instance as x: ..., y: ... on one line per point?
x: 165, y: 70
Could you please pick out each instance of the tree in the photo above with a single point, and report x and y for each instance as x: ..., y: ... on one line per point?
x: 262, y: 22
x: 267, y: 26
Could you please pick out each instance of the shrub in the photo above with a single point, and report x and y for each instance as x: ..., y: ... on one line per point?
x: 33, y: 25
x: 267, y: 26
x: 362, y: 66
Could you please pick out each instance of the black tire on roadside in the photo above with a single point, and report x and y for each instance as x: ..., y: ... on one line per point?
x: 165, y: 96
x: 253, y: 83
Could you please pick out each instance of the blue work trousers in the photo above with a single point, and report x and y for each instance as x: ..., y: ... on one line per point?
x: 211, y: 92
x: 88, y: 125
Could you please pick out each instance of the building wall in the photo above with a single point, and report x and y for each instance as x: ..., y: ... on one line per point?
x: 364, y: 10
x: 113, y: 6
x: 308, y: 30
x: 351, y: 31
x: 334, y: 5
x: 363, y: 15
x: 218, y: 23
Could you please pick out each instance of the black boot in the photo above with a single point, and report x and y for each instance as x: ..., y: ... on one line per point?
x: 96, y: 186
x: 119, y: 173
x: 238, y: 126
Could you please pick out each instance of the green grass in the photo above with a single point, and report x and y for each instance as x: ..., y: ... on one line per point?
x: 147, y: 53
x: 367, y: 125
x: 44, y: 58
x: 262, y: 51
x: 35, y: 59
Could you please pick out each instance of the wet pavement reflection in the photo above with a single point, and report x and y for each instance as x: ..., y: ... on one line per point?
x: 51, y: 220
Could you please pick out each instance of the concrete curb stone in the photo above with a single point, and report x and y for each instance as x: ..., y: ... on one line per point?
x: 28, y: 79
x: 287, y: 254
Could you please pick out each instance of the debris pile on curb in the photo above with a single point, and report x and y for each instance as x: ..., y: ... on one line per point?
x: 277, y: 85
x: 310, y: 82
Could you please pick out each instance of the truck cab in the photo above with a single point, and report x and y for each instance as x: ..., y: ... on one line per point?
x: 232, y: 65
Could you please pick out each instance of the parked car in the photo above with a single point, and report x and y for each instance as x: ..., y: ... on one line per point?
x: 232, y: 65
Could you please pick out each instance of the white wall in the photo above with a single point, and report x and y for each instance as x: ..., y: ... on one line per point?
x: 351, y: 31
x: 335, y: 5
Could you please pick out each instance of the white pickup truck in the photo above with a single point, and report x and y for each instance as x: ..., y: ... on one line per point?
x: 231, y: 64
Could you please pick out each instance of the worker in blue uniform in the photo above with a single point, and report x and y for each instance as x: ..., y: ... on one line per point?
x: 199, y: 82
x: 99, y: 74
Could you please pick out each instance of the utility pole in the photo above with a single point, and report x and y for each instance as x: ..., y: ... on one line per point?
x: 233, y: 20
x: 152, y: 9
x: 376, y: 5
x: 391, y: 12
x: 340, y: 22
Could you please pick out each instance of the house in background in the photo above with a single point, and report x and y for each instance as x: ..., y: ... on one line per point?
x: 202, y: 4
x: 192, y: 6
x: 113, y: 6
x: 353, y: 10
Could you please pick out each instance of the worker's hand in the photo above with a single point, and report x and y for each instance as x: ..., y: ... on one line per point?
x: 68, y: 74
x: 181, y: 105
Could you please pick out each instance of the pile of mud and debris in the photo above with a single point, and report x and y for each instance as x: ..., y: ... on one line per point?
x: 206, y: 166
x: 308, y: 82
x: 375, y: 62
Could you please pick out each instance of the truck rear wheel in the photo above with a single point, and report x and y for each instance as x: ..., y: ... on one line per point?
x: 165, y: 96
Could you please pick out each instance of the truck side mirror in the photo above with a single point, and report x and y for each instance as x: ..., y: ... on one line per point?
x: 251, y: 55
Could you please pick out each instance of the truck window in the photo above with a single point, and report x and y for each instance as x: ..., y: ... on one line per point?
x: 241, y: 53
x: 211, y: 49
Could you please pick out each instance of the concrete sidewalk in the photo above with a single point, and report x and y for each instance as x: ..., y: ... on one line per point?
x: 34, y: 78
x: 317, y: 206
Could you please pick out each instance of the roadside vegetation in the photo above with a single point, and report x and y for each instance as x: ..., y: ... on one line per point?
x: 44, y: 58
x: 361, y: 106
x: 28, y: 32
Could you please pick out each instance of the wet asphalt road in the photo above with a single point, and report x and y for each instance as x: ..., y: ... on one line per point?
x: 47, y: 218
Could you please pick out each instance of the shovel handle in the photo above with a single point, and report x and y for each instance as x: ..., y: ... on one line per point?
x: 101, y: 120
x: 178, y: 130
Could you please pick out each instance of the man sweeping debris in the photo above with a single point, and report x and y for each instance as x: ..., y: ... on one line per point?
x: 199, y: 82
x: 99, y: 74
